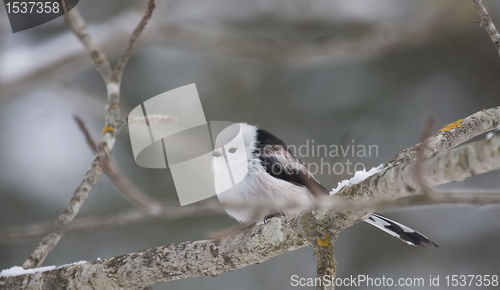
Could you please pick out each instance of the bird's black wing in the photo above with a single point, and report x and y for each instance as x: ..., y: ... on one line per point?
x: 281, y: 163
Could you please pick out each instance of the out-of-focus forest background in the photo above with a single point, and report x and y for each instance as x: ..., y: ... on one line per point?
x: 332, y: 71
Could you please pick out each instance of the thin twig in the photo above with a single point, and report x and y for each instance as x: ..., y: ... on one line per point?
x: 113, y: 121
x: 88, y: 137
x: 127, y: 188
x: 155, y: 118
x: 77, y: 24
x: 427, y: 132
x: 100, y: 222
x: 487, y: 23
x: 125, y: 56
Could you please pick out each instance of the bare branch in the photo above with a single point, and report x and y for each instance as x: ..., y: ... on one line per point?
x: 88, y: 137
x: 192, y: 259
x: 172, y: 262
x: 77, y: 24
x: 113, y: 121
x: 318, y: 227
x: 453, y: 165
x: 162, y: 119
x: 70, y: 211
x: 122, y: 62
x: 128, y: 189
x: 449, y: 137
x: 429, y: 125
x: 111, y: 221
x: 487, y: 23
x: 391, y: 183
x: 122, y: 219
x: 110, y: 35
x: 322, y: 237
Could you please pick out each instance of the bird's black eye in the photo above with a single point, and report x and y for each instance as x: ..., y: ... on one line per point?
x: 232, y: 150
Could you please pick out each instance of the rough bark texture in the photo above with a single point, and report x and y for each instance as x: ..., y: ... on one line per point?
x: 487, y: 23
x: 402, y: 176
x: 472, y: 126
x: 260, y: 243
x: 172, y: 262
x: 112, y: 78
x: 81, y: 194
x: 454, y: 165
x: 319, y: 227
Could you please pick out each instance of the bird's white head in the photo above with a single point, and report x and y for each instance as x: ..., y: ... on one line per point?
x: 233, y: 154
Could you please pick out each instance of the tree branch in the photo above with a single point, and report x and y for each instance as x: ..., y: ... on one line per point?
x: 487, y: 23
x: 202, y: 258
x: 108, y: 138
x: 127, y: 188
x: 319, y: 228
x: 321, y: 235
x: 167, y: 213
x: 472, y: 126
x: 78, y: 26
x: 121, y: 219
x: 125, y: 56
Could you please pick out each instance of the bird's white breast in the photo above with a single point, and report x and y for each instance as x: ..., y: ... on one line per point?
x: 257, y: 187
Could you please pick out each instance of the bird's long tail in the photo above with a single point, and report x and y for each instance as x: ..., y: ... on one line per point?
x: 400, y: 231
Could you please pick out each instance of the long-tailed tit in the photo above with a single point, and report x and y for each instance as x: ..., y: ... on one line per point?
x: 254, y: 166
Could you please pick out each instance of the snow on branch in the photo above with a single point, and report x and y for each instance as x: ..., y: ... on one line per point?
x: 397, y: 182
x: 317, y: 227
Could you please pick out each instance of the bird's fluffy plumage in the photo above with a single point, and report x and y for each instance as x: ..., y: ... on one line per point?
x: 258, y: 185
x: 263, y: 169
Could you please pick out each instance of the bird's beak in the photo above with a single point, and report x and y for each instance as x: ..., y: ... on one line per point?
x: 217, y: 152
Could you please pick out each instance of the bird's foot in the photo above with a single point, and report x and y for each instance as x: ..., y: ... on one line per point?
x: 267, y: 218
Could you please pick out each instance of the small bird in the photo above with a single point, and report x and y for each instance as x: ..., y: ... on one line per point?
x: 253, y: 165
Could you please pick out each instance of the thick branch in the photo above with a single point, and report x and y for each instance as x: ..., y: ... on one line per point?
x: 321, y: 234
x: 201, y: 258
x: 172, y: 262
x: 453, y: 165
x: 122, y: 219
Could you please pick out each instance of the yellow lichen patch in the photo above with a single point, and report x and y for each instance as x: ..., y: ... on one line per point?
x: 324, y: 242
x: 107, y: 129
x: 453, y: 125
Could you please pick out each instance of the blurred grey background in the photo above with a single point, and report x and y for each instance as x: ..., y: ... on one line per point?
x: 332, y: 71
